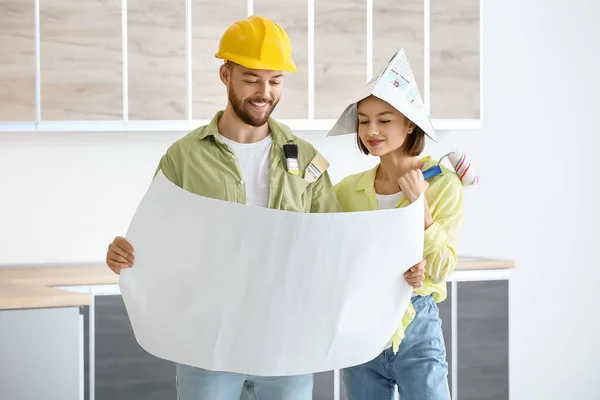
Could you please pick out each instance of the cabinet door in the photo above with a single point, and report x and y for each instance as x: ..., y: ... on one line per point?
x: 17, y: 69
x: 323, y: 389
x: 445, y: 308
x: 124, y: 371
x: 40, y: 352
x: 482, y: 340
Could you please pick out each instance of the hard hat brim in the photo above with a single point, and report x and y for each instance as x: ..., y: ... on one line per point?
x: 286, y: 66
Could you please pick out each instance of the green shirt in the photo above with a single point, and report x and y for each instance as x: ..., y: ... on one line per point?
x: 201, y: 164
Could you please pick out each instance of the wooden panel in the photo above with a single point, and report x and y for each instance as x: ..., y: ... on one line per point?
x: 455, y: 59
x: 157, y: 75
x: 80, y: 46
x: 340, y: 54
x: 482, y: 340
x: 292, y: 16
x: 209, y: 93
x: 59, y: 274
x: 15, y: 296
x: 399, y: 24
x: 124, y: 371
x: 17, y: 68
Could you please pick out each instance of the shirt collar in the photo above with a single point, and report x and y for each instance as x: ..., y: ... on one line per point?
x: 281, y: 133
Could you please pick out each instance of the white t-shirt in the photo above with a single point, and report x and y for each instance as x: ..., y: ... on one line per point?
x: 254, y: 160
x: 388, y: 201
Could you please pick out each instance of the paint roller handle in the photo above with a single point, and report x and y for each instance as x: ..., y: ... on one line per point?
x: 431, y: 172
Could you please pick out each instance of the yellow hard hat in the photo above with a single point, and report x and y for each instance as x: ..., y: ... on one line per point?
x: 257, y: 43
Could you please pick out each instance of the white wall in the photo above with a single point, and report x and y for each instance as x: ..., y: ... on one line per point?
x: 64, y: 196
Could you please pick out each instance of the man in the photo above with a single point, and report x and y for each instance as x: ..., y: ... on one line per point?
x: 239, y: 156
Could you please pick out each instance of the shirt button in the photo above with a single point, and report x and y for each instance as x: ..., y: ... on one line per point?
x: 242, y: 182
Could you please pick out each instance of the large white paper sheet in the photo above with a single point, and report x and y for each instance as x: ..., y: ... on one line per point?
x: 230, y: 287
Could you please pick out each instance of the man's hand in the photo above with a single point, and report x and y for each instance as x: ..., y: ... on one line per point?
x: 119, y: 255
x: 415, y: 275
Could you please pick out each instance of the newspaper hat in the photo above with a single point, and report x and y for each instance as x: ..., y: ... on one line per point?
x: 396, y: 85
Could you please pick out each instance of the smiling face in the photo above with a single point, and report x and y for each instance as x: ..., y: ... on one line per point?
x: 381, y: 128
x: 253, y: 94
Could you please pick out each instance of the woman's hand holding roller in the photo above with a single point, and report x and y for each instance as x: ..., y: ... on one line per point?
x: 413, y: 184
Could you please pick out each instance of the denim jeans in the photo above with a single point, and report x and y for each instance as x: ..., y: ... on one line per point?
x: 419, y: 369
x: 200, y: 384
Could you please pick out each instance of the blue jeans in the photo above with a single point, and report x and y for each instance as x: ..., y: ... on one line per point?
x: 419, y: 369
x: 200, y: 384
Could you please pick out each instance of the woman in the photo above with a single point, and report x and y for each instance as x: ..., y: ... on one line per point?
x: 415, y: 358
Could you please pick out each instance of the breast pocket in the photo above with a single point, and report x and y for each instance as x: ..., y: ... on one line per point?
x: 297, y: 194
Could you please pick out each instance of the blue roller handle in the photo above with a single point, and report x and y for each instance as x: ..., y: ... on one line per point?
x: 431, y: 172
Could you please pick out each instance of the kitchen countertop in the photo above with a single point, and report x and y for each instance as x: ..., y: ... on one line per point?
x: 34, y: 286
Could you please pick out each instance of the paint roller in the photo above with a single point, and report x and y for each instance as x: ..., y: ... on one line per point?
x: 462, y: 166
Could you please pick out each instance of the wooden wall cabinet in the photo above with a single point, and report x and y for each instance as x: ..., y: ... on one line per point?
x: 340, y: 54
x: 80, y: 60
x: 156, y: 59
x: 455, y: 59
x: 109, y: 68
x: 17, y: 61
x: 209, y: 20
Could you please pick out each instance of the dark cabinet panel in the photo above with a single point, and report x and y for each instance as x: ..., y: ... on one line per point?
x: 482, y: 340
x: 124, y: 371
x: 85, y: 311
x: 323, y: 389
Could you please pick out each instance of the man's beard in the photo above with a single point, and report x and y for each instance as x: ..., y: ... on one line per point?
x: 240, y: 107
